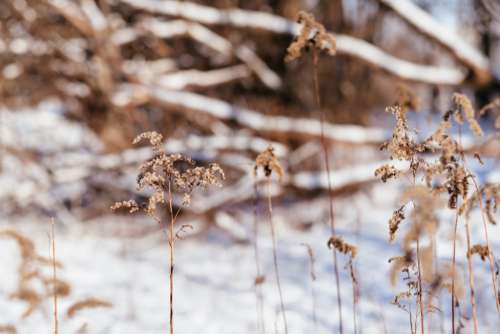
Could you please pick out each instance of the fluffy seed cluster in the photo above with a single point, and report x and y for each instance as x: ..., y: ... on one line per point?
x: 464, y: 109
x: 168, y: 173
x: 269, y: 163
x: 386, y: 172
x: 397, y: 217
x: 491, y: 195
x: 339, y: 244
x: 480, y: 250
x: 313, y: 34
x: 445, y: 174
x: 493, y: 106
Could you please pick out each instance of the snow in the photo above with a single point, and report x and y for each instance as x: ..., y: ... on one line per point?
x: 214, y: 291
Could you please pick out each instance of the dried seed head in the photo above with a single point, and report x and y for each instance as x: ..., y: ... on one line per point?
x: 399, y: 264
x: 155, y: 139
x: 167, y: 174
x: 269, y: 163
x: 480, y: 250
x: 492, y: 195
x: 87, y: 304
x: 130, y: 204
x: 26, y: 246
x: 401, y: 146
x: 407, y: 98
x: 312, y: 34
x: 386, y: 172
x: 339, y: 244
x: 464, y: 108
x: 260, y: 280
x: 396, y: 218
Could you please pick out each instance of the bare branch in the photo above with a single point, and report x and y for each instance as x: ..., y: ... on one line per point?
x: 427, y: 25
x: 298, y: 127
x: 346, y: 45
x: 164, y: 29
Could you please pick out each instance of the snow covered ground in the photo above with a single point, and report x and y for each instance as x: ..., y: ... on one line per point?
x: 214, y: 280
x: 214, y: 290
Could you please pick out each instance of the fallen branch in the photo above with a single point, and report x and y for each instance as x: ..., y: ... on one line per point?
x: 298, y: 127
x: 427, y: 25
x: 169, y: 29
x: 346, y: 45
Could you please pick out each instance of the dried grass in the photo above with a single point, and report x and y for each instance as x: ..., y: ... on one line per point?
x: 88, y: 303
x: 166, y: 175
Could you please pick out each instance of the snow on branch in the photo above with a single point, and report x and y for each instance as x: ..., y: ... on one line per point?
x: 346, y: 45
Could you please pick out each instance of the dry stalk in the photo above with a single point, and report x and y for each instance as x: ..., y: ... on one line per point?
x: 259, y: 279
x: 165, y: 173
x: 268, y: 162
x: 420, y: 288
x: 54, y: 274
x: 471, y: 279
x: 490, y: 254
x: 312, y: 274
x: 314, y: 35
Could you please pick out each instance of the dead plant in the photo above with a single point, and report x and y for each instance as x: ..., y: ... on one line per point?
x: 167, y: 175
x: 269, y: 163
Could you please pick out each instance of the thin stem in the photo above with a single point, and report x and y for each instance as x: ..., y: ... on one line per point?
x: 312, y: 275
x: 275, y: 254
x: 490, y: 253
x: 330, y: 194
x: 453, y: 269
x: 171, y: 248
x: 420, y: 289
x: 258, y: 285
x: 485, y: 226
x: 54, y: 275
x: 471, y: 280
x: 355, y: 296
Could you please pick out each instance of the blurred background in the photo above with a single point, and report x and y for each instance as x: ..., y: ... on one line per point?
x: 79, y: 79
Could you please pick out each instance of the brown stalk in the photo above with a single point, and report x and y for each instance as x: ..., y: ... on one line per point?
x: 54, y: 275
x: 259, y: 279
x: 275, y: 253
x: 312, y: 274
x: 171, y: 248
x: 420, y: 289
x: 485, y: 228
x: 330, y: 194
x: 471, y: 280
x: 490, y: 254
x: 453, y: 271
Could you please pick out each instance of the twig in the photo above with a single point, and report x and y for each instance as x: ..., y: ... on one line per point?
x: 453, y: 272
x: 329, y: 182
x: 54, y: 275
x: 259, y: 280
x: 427, y: 25
x: 471, y: 279
x: 420, y: 289
x: 275, y: 254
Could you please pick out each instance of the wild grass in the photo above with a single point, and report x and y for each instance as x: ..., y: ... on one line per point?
x: 269, y: 163
x: 446, y: 177
x: 169, y: 175
x: 314, y: 36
